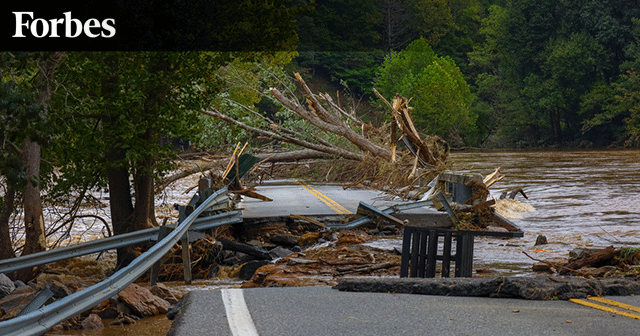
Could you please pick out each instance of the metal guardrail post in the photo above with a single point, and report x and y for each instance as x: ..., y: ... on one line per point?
x: 37, y: 301
x: 163, y: 231
x: 186, y: 255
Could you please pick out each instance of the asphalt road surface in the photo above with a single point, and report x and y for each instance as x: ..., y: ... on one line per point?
x: 315, y: 311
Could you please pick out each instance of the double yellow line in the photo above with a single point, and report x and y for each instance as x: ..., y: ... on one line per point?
x: 609, y: 309
x: 331, y: 203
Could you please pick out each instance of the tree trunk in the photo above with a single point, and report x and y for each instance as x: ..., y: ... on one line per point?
x: 144, y: 212
x: 6, y: 249
x: 35, y: 239
x: 120, y: 203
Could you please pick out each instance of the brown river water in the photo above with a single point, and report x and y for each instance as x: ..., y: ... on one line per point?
x: 581, y: 199
x: 575, y: 199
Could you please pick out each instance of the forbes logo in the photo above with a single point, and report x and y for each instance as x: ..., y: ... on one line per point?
x: 40, y: 28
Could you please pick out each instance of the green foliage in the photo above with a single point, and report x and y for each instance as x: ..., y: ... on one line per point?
x: 245, y: 84
x: 20, y: 115
x: 439, y: 94
x: 126, y: 103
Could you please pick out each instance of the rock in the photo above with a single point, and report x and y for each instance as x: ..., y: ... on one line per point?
x: 580, y: 252
x: 353, y: 237
x: 109, y: 312
x: 162, y: 291
x: 171, y: 314
x: 284, y: 239
x: 6, y: 285
x: 19, y: 284
x: 58, y: 289
x: 308, y: 238
x: 24, y: 289
x: 541, y: 240
x: 279, y: 252
x: 12, y: 304
x: 255, y: 242
x: 124, y: 319
x: 142, y: 302
x: 601, y: 272
x: 92, y: 321
x: 248, y: 269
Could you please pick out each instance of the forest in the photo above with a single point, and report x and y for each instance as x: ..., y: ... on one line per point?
x: 480, y: 74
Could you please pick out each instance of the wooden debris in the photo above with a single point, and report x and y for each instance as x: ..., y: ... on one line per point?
x: 307, y: 219
x: 250, y: 192
x: 492, y: 178
x: 591, y: 260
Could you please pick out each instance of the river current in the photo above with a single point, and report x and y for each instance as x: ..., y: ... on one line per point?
x: 580, y: 199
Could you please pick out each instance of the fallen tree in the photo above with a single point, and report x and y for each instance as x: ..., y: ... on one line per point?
x: 373, y: 158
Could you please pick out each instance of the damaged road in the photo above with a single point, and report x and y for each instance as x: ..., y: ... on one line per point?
x: 315, y: 311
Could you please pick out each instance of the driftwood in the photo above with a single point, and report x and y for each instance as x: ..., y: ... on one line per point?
x: 492, y: 178
x: 590, y: 260
x: 244, y: 248
x: 431, y: 151
x: 250, y: 192
x: 558, y: 266
x: 310, y: 220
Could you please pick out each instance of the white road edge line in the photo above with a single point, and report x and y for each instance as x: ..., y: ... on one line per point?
x: 238, y: 316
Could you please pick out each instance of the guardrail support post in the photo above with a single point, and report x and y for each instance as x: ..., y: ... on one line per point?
x: 37, y: 302
x: 163, y: 231
x: 186, y: 255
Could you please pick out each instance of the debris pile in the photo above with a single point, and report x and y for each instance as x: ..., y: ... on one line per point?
x: 593, y: 263
x: 129, y: 306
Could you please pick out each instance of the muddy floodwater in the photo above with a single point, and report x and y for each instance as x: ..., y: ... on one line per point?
x: 580, y: 198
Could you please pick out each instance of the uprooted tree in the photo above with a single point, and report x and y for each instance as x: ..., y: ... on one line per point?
x: 371, y: 150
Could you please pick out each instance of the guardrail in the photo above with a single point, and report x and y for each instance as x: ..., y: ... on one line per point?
x: 39, y: 321
x: 114, y: 242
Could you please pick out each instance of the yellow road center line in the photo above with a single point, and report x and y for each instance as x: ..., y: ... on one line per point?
x: 328, y: 201
x: 615, y: 303
x: 603, y: 308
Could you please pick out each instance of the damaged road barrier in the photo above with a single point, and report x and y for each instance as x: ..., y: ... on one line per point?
x: 389, y: 210
x: 39, y: 321
x: 370, y: 211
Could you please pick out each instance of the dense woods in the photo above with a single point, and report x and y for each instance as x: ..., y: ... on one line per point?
x: 479, y: 73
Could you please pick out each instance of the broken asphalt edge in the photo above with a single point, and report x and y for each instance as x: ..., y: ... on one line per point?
x: 529, y: 288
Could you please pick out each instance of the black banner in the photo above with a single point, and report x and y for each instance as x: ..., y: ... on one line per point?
x: 134, y: 25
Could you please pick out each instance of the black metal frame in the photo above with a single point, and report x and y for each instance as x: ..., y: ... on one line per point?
x: 420, y: 251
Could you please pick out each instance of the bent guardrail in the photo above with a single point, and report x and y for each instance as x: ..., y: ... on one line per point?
x: 147, y: 235
x: 39, y: 321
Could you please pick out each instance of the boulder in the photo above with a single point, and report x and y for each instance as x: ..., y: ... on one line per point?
x: 284, y: 239
x: 540, y: 240
x: 248, y: 269
x: 92, y: 321
x: 279, y: 252
x: 142, y: 302
x: 162, y: 291
x: 58, y: 289
x: 6, y: 285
